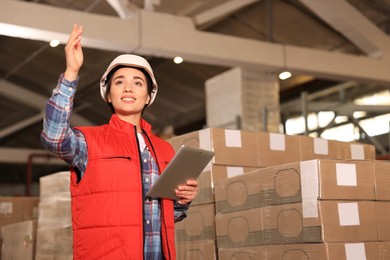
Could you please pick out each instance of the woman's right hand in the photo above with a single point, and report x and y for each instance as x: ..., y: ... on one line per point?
x: 74, y: 54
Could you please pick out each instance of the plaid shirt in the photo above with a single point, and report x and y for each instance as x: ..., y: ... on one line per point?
x: 70, y: 145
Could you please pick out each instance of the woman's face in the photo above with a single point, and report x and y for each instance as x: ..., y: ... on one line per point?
x: 128, y: 91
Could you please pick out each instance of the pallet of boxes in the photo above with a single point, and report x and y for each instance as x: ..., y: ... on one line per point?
x: 54, y: 232
x: 302, y: 198
x: 18, y: 219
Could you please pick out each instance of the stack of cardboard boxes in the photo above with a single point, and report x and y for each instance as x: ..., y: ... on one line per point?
x: 304, y: 197
x: 54, y: 232
x: 18, y: 217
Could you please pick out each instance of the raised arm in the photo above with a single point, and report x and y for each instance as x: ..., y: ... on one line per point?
x: 74, y: 54
x: 57, y: 136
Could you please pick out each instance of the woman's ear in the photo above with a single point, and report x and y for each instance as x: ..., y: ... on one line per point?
x: 147, y: 100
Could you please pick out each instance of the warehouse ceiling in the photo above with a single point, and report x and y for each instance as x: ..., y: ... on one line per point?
x: 29, y: 67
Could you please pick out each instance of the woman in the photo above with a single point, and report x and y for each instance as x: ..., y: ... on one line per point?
x: 114, y: 165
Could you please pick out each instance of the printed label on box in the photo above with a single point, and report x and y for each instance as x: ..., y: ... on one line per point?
x: 277, y: 142
x: 346, y: 174
x: 6, y: 208
x: 357, y: 152
x: 233, y: 138
x: 234, y: 171
x: 349, y: 214
x: 355, y: 251
x: 320, y: 146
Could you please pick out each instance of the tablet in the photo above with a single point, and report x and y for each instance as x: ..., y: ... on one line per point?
x: 188, y: 163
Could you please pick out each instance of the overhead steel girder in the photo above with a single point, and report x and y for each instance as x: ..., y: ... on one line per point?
x: 176, y: 35
x: 34, y: 100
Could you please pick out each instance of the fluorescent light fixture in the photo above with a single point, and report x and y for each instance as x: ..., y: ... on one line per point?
x: 178, y: 60
x: 54, y: 43
x: 285, y: 75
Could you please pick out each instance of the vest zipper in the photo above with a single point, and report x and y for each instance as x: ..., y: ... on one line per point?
x: 143, y: 194
x: 160, y: 201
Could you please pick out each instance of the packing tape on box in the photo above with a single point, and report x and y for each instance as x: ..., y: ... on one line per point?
x: 346, y: 174
x: 205, y: 139
x: 348, y: 214
x: 205, y: 143
x: 357, y: 152
x: 321, y: 146
x: 309, y: 188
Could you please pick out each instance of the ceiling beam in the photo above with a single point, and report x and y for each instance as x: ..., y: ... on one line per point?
x: 178, y: 36
x: 20, y: 94
x: 30, y: 21
x: 344, y: 18
x: 221, y: 11
x: 123, y: 8
x: 31, y: 99
x: 20, y: 125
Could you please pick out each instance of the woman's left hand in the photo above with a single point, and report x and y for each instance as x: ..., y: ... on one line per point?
x: 187, y: 192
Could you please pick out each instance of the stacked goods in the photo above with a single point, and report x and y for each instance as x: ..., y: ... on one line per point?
x: 320, y: 209
x: 54, y: 233
x: 293, y: 197
x: 195, y: 235
x: 235, y: 154
x: 318, y: 148
x: 305, y: 202
x: 19, y: 240
x: 17, y: 209
x: 315, y: 251
x: 17, y: 223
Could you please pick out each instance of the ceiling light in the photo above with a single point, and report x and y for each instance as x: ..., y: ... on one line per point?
x: 178, y: 60
x: 54, y: 43
x: 285, y: 75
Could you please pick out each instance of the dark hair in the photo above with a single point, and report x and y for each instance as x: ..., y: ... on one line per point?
x: 149, y: 83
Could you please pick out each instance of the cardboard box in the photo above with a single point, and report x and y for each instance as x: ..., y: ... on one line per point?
x: 55, y: 185
x: 317, y: 148
x: 18, y: 209
x: 253, y: 252
x: 198, y: 225
x: 356, y: 251
x: 198, y: 250
x: 55, y: 213
x: 216, y: 172
x: 355, y: 151
x: 231, y: 147
x: 386, y: 250
x: 275, y: 149
x: 222, y: 172
x: 382, y: 180
x: 306, y: 182
x: 19, y: 240
x: 54, y: 243
x: 336, y: 221
x: 206, y: 193
x: 382, y: 220
x: 317, y: 251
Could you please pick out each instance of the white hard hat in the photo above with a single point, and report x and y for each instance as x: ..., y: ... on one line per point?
x: 131, y: 61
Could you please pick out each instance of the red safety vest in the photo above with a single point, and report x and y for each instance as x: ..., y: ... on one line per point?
x: 107, y: 204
